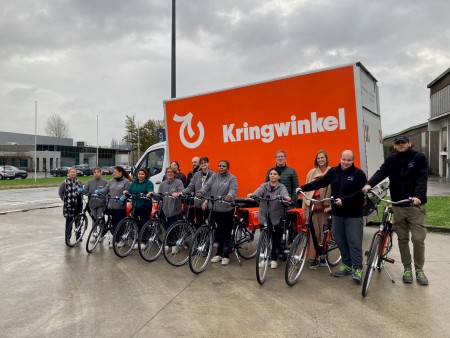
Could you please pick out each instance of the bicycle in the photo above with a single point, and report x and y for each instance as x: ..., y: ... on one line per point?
x: 381, y: 244
x: 242, y: 240
x: 267, y: 231
x: 79, y: 224
x: 126, y: 233
x: 178, y: 237
x: 297, y: 255
x: 100, y: 227
x: 150, y: 241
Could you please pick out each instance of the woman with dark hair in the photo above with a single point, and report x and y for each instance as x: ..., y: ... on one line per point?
x: 321, y: 210
x: 96, y: 205
x: 72, y: 200
x: 222, y: 184
x: 272, y: 188
x: 142, y: 206
x: 115, y: 188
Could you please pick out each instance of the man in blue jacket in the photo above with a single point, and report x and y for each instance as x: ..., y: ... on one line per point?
x: 346, y: 182
x: 408, y: 174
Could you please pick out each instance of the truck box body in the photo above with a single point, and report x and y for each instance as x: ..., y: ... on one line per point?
x: 332, y: 109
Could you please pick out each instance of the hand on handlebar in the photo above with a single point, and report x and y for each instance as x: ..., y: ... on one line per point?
x: 298, y: 190
x: 416, y: 201
x: 366, y: 188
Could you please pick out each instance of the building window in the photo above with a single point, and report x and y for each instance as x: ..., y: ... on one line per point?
x: 51, y: 163
x: 444, y: 139
x: 37, y: 164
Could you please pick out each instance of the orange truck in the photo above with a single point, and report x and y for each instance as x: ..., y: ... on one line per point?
x: 332, y: 109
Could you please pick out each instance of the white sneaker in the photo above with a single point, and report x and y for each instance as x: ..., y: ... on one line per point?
x: 167, y: 248
x: 120, y: 245
x: 262, y: 264
x: 174, y: 250
x: 216, y: 259
x: 225, y: 261
x: 136, y: 246
x: 273, y: 264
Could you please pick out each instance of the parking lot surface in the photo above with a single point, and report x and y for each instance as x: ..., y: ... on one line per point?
x: 50, y: 290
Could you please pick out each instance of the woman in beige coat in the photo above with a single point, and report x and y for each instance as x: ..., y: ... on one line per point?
x: 321, y: 210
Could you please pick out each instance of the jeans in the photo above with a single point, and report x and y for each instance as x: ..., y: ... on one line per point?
x: 348, y: 233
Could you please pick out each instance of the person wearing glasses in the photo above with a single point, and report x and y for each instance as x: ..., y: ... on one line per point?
x: 198, y: 181
x: 288, y: 175
x: 408, y: 174
x: 222, y: 184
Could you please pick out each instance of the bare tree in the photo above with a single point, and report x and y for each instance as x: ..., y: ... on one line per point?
x: 57, y: 127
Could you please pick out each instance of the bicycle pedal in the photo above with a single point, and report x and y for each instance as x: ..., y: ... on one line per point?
x: 389, y: 260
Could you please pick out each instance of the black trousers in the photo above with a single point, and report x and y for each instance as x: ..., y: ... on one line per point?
x: 224, y: 222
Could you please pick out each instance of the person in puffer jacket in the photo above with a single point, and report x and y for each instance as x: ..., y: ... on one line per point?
x: 222, y: 184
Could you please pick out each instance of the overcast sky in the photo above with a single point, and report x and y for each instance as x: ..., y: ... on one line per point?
x: 112, y: 57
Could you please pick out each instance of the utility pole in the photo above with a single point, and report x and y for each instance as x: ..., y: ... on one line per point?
x: 173, y: 73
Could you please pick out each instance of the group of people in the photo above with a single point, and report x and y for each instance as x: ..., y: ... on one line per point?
x: 406, y: 169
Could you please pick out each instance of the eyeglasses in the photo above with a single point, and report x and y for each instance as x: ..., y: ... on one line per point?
x: 170, y: 172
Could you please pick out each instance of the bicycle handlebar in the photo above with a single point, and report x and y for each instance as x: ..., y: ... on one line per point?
x: 279, y: 198
x: 331, y: 198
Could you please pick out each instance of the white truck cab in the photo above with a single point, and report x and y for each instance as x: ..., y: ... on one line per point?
x: 155, y: 160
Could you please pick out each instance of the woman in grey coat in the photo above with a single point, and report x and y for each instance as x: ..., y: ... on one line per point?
x: 273, y: 189
x: 222, y: 184
x: 96, y: 205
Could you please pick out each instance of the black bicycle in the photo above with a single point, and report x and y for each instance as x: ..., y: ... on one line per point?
x: 151, y: 237
x: 178, y: 237
x: 101, y: 227
x: 126, y: 233
x: 287, y: 227
x: 242, y: 240
x: 381, y: 244
x: 299, y: 249
x: 79, y: 224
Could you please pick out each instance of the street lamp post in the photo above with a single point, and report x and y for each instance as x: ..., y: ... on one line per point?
x: 173, y: 87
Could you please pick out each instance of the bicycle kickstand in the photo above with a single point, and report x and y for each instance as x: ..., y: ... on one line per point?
x: 328, y: 266
x: 392, y: 279
x: 237, y: 256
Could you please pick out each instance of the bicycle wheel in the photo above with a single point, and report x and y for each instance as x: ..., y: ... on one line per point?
x: 383, y: 254
x: 94, y: 235
x: 151, y: 240
x: 372, y: 261
x: 333, y: 252
x: 77, y: 228
x: 125, y: 237
x: 178, y: 240
x: 201, y: 249
x: 296, y: 258
x: 249, y: 241
x: 263, y: 256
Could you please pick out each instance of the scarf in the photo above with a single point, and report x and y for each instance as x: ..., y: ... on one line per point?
x: 71, y: 197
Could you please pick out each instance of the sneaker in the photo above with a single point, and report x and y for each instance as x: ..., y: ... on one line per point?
x: 421, y: 278
x: 216, y: 259
x: 343, y: 271
x: 357, y: 276
x: 167, y: 248
x: 407, y: 276
x: 225, y: 261
x: 273, y: 264
x: 314, y: 265
x: 135, y: 247
x: 262, y: 264
x: 323, y: 262
x: 174, y: 250
x: 120, y: 245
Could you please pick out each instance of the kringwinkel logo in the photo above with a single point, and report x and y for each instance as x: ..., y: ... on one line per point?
x: 186, y: 122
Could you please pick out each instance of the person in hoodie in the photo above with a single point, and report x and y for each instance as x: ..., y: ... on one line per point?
x: 96, y: 205
x: 171, y: 206
x: 142, y: 206
x: 408, y: 174
x: 198, y: 181
x: 115, y: 188
x: 346, y: 183
x: 222, y: 184
x: 273, y: 188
